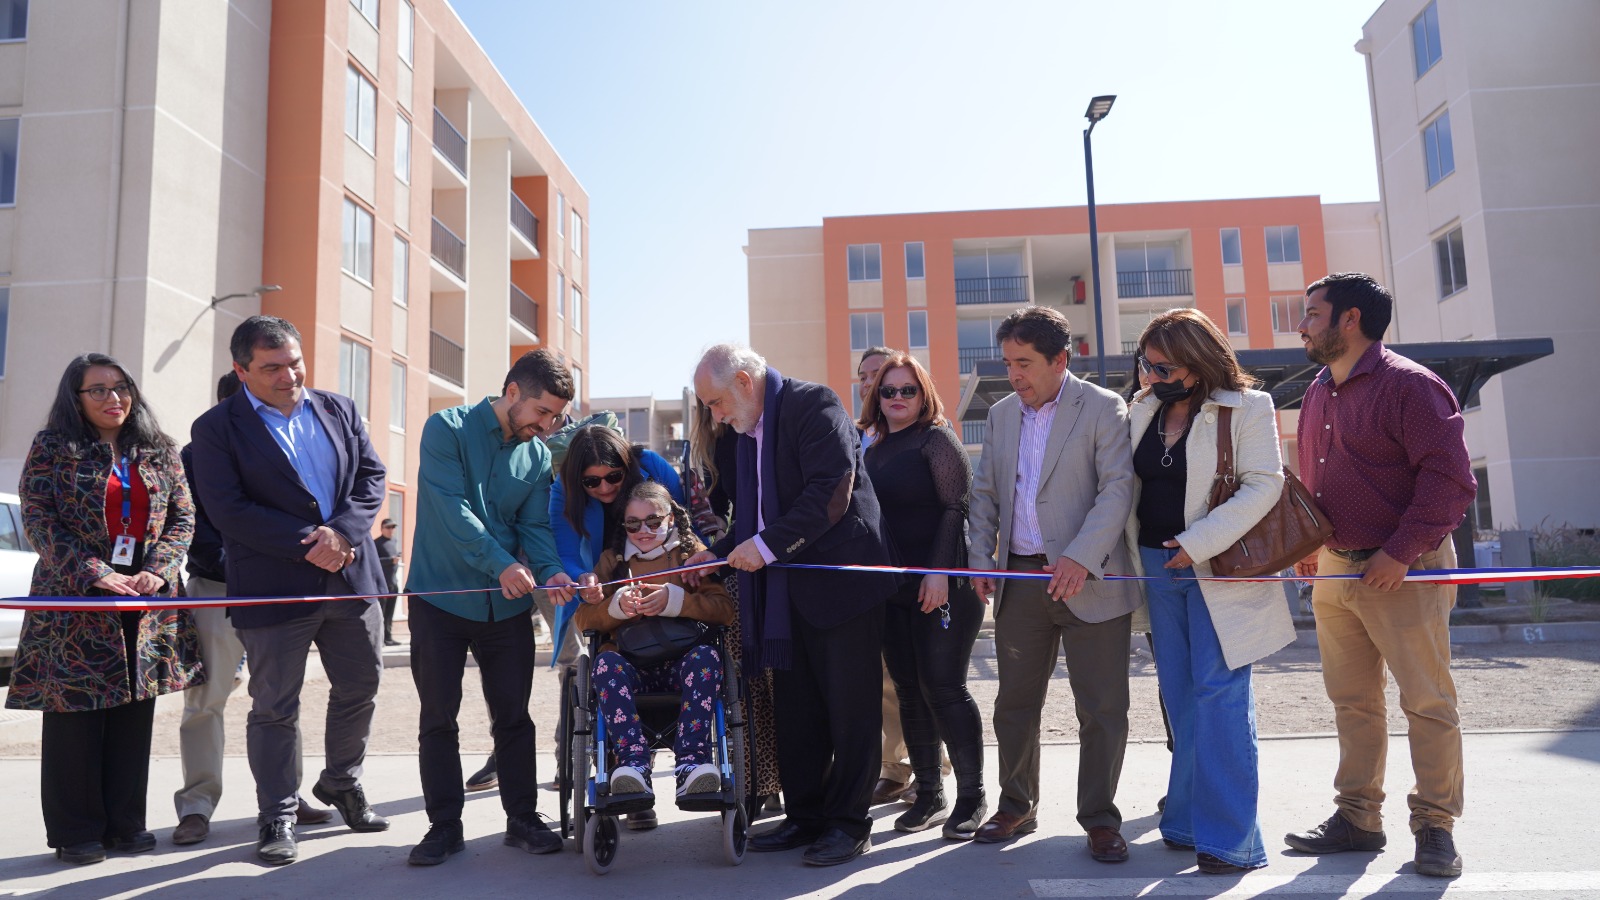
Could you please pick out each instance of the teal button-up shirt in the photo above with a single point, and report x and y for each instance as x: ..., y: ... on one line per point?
x: 482, y: 502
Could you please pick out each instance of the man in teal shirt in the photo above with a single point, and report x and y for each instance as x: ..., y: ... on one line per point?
x: 483, y: 521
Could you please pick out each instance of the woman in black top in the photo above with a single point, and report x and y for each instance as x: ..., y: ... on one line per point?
x: 922, y: 477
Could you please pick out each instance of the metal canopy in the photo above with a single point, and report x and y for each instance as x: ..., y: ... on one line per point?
x: 1466, y: 366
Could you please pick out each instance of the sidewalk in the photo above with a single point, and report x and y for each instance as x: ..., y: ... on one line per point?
x: 1516, y: 839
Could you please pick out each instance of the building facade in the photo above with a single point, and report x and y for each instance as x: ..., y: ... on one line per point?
x: 1485, y: 118
x: 364, y: 156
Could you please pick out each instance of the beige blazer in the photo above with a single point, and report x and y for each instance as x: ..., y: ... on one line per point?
x: 1085, y: 495
x: 1252, y: 619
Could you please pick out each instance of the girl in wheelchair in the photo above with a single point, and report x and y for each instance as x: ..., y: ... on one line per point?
x: 656, y: 536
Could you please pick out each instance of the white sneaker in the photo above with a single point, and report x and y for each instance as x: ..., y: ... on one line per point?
x: 702, y: 779
x: 628, y: 780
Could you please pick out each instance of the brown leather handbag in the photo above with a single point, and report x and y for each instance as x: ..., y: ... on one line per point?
x: 1292, y: 530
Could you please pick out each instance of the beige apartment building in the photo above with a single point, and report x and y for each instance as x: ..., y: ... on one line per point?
x: 364, y: 156
x: 1486, y: 117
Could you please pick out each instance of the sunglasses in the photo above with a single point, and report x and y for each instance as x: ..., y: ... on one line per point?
x: 906, y: 392
x: 632, y: 526
x: 1162, y: 371
x: 593, y: 481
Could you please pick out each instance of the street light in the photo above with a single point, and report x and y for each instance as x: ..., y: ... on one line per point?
x: 253, y: 292
x: 1099, y: 108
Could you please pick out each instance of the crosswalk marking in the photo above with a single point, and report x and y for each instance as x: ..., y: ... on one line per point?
x: 1345, y: 886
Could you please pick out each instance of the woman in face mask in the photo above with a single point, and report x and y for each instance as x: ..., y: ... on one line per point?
x: 1207, y: 633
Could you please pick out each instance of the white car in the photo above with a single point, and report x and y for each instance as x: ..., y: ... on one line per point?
x: 16, y: 572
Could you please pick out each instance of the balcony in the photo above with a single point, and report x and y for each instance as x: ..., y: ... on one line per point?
x: 1006, y: 289
x: 524, y: 311
x: 449, y: 142
x: 449, y: 251
x: 525, y: 225
x: 1129, y: 348
x: 1155, y: 283
x: 974, y: 432
x: 447, y: 359
x: 967, y: 358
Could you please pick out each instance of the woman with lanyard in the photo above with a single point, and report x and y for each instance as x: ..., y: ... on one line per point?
x: 106, y: 505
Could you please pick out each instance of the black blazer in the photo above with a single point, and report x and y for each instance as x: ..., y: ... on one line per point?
x: 827, y: 510
x: 257, y: 501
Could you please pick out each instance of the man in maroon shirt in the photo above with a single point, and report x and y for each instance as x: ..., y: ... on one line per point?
x: 1381, y: 447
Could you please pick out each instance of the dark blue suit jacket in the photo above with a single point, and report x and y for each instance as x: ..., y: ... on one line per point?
x: 257, y: 501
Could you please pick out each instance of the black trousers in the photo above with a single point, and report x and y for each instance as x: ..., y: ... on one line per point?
x: 829, y: 722
x: 95, y: 772
x: 928, y: 663
x: 504, y: 651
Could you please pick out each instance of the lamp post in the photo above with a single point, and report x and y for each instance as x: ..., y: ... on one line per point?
x: 1099, y: 108
x: 253, y: 292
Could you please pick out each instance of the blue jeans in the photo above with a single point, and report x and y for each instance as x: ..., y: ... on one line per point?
x: 1211, y: 794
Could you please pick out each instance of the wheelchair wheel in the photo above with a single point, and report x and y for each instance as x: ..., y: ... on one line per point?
x: 600, y: 843
x: 735, y: 832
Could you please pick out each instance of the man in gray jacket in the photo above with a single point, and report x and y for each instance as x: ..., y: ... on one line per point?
x: 1052, y: 493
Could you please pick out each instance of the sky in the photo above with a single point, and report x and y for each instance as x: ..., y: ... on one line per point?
x: 690, y: 123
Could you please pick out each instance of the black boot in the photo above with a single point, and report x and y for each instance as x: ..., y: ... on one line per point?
x: 967, y: 815
x: 929, y: 810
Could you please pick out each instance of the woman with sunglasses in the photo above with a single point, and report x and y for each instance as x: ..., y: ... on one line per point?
x: 1207, y: 633
x: 106, y: 505
x: 606, y: 468
x: 922, y: 477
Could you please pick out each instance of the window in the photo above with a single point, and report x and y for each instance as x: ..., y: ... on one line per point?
x: 577, y: 234
x: 408, y: 32
x: 397, y: 512
x: 357, y: 240
x: 561, y: 295
x: 1452, y: 259
x: 917, y: 328
x: 866, y: 264
x: 1482, y: 509
x: 369, y: 10
x: 13, y: 20
x: 9, y: 134
x: 1236, y: 319
x: 1283, y: 243
x: 866, y: 330
x: 5, y: 325
x: 577, y: 309
x: 1287, y: 313
x: 1438, y: 148
x: 561, y: 213
x: 397, y: 396
x: 402, y: 272
x: 636, y: 425
x: 577, y: 391
x: 1425, y: 38
x: 914, y: 267
x: 355, y: 374
x: 402, y: 149
x: 360, y: 108
x: 1232, y: 248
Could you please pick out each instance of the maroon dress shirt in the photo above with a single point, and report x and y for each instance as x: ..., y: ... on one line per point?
x: 1384, y: 455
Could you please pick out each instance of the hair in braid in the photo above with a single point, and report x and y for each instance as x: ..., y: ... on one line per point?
x: 654, y: 492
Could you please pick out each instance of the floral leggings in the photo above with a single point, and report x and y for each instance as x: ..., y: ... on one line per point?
x: 698, y: 674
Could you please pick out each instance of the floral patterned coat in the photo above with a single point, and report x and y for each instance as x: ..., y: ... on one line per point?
x: 75, y: 661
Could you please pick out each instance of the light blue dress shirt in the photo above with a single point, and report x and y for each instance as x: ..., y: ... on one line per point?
x: 308, y: 447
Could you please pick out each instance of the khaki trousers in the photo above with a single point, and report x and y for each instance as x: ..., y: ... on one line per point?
x: 1359, y: 632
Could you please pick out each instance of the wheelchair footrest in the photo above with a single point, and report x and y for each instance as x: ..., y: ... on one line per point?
x: 705, y: 802
x: 622, y: 804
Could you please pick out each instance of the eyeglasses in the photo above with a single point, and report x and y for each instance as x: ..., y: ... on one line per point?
x: 593, y: 481
x: 99, y: 394
x: 1162, y: 371
x: 632, y: 526
x: 906, y: 393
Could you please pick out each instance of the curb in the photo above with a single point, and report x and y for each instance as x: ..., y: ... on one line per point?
x: 1542, y: 633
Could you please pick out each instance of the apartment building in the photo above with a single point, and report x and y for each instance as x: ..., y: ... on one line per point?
x: 650, y: 421
x: 938, y: 284
x: 363, y: 156
x: 1486, y: 116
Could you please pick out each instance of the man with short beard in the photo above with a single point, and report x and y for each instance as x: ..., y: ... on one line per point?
x: 1381, y: 447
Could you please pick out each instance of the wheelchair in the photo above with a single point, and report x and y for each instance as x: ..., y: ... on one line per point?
x: 589, y: 810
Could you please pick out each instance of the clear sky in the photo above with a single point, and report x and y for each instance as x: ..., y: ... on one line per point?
x: 689, y: 123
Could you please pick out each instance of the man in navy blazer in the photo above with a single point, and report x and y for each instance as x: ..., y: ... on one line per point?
x: 801, y: 495
x: 291, y: 481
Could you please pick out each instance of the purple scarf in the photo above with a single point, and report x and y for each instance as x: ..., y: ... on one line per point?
x: 763, y: 595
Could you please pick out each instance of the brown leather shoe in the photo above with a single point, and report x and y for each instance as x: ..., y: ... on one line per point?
x: 311, y: 815
x: 191, y: 830
x: 1106, y: 844
x: 887, y: 790
x: 1004, y: 826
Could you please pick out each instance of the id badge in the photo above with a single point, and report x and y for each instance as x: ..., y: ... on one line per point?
x: 122, y: 551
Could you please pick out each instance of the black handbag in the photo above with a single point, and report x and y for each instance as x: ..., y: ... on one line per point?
x: 653, y: 640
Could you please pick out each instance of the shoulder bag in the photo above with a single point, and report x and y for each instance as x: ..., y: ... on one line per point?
x: 1289, y: 532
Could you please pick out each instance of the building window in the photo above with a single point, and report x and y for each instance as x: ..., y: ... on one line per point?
x: 1236, y: 319
x: 408, y: 32
x: 1425, y: 38
x: 1287, y: 313
x: 397, y: 512
x: 360, y: 109
x: 561, y: 295
x: 397, y: 396
x: 866, y: 263
x: 1283, y: 243
x: 914, y: 266
x: 369, y: 10
x: 402, y: 149
x: 561, y: 214
x: 13, y: 20
x: 1482, y: 509
x: 1232, y: 248
x: 402, y: 271
x: 917, y: 329
x: 577, y: 391
x: 10, y: 132
x: 577, y: 234
x: 5, y: 325
x: 357, y: 240
x: 355, y: 374
x: 866, y: 330
x: 577, y: 309
x: 1452, y: 259
x: 1438, y: 148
